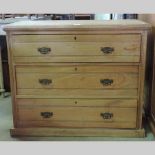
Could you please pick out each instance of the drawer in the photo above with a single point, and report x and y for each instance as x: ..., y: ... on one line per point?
x: 77, y: 81
x: 103, y: 80
x: 65, y: 48
x: 76, y: 76
x: 107, y: 117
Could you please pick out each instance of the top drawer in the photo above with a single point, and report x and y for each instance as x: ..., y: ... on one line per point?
x: 76, y: 48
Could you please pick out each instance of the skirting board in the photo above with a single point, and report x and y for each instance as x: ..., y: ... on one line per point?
x: 152, y: 125
x: 77, y: 132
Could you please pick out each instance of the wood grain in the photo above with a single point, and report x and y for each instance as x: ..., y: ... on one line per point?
x: 85, y: 46
x: 39, y: 102
x: 77, y: 68
x: 81, y: 59
x: 76, y: 48
x: 77, y: 57
x: 78, y: 132
x: 80, y: 81
x: 78, y: 117
x: 77, y: 24
x: 93, y: 38
x: 142, y: 75
x: 77, y: 93
x: 12, y: 79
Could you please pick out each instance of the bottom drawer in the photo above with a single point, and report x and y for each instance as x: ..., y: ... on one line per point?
x: 106, y: 117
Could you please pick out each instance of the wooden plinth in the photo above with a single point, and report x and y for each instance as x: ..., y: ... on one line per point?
x: 77, y: 132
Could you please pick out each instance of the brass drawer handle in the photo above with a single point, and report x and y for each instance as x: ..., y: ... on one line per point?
x: 44, y: 50
x: 107, y: 115
x: 106, y: 82
x: 107, y: 50
x: 46, y: 114
x: 45, y: 81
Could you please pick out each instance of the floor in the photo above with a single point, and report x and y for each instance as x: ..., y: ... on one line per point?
x: 6, y: 124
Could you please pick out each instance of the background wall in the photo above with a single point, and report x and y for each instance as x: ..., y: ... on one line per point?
x: 150, y: 18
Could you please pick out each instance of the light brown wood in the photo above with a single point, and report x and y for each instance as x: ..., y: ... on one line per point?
x: 70, y: 38
x: 80, y: 81
x: 68, y: 46
x: 76, y: 57
x: 130, y: 65
x: 64, y: 31
x: 142, y: 76
x: 12, y: 80
x: 30, y: 77
x: 76, y: 68
x: 76, y: 48
x: 82, y: 59
x: 123, y: 103
x: 78, y: 117
x: 77, y: 24
x: 79, y: 124
x: 78, y: 132
x: 77, y: 93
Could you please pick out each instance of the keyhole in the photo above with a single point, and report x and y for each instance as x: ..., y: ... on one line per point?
x: 75, y: 102
x: 75, y: 38
x: 75, y: 68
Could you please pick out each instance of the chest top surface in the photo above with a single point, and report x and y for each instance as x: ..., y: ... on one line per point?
x: 77, y: 24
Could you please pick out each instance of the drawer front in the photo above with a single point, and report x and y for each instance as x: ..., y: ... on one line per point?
x: 103, y: 48
x: 78, y: 117
x: 80, y: 81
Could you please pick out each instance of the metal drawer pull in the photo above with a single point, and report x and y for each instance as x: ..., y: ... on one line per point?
x: 107, y: 115
x: 106, y: 82
x: 45, y: 81
x: 44, y: 50
x: 46, y: 114
x: 107, y: 50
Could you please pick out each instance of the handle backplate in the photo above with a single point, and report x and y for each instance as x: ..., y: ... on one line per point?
x: 107, y: 115
x: 107, y: 50
x: 106, y: 82
x: 45, y: 81
x: 44, y: 50
x: 46, y: 114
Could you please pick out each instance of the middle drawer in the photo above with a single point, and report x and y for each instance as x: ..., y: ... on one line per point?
x: 58, y: 80
x: 75, y: 79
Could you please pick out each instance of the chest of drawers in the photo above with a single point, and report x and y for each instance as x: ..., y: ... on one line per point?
x: 77, y: 78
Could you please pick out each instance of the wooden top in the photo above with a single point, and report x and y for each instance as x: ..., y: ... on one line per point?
x: 76, y: 24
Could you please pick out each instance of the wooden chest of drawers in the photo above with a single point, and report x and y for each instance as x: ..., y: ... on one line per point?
x: 77, y: 78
